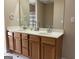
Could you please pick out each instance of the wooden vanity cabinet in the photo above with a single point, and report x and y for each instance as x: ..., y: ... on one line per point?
x: 34, y: 47
x: 51, y: 48
x: 17, y: 42
x: 25, y: 45
x: 47, y: 48
x: 10, y: 41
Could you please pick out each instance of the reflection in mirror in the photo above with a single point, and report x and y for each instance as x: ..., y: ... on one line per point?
x: 32, y: 10
x: 24, y: 12
x: 50, y: 13
x: 45, y: 9
x: 58, y: 14
x: 42, y: 13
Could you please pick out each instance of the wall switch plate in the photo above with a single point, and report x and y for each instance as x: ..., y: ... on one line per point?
x: 72, y: 19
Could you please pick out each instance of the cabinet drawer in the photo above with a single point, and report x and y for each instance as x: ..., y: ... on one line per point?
x: 24, y: 36
x: 34, y: 38
x: 16, y: 34
x: 47, y: 40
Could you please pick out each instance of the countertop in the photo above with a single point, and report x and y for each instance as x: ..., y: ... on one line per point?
x: 56, y: 33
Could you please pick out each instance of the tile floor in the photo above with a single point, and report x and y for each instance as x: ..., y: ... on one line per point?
x: 15, y: 56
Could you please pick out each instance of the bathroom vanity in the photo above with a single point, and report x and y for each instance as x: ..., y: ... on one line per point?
x: 35, y: 44
x: 39, y: 34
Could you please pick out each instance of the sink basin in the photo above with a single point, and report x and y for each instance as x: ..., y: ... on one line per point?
x: 43, y: 32
x: 47, y: 33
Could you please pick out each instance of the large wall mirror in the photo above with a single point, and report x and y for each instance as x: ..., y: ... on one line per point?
x: 50, y: 13
x: 42, y: 13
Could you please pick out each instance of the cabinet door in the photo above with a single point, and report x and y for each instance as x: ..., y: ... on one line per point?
x: 25, y: 44
x: 47, y: 51
x: 11, y: 42
x: 17, y: 41
x: 34, y: 47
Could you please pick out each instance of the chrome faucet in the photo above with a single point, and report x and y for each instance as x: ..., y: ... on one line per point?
x: 49, y: 29
x: 36, y: 28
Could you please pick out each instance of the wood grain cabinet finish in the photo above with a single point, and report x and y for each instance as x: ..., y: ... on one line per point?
x: 51, y: 48
x: 25, y: 47
x: 47, y: 48
x: 17, y: 42
x: 47, y: 51
x: 10, y: 41
x: 34, y: 47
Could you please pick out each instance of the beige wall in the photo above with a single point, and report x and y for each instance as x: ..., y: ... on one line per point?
x: 69, y: 37
x: 58, y: 14
x: 10, y: 6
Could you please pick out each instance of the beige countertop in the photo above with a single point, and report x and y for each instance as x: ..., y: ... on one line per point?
x: 56, y: 33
